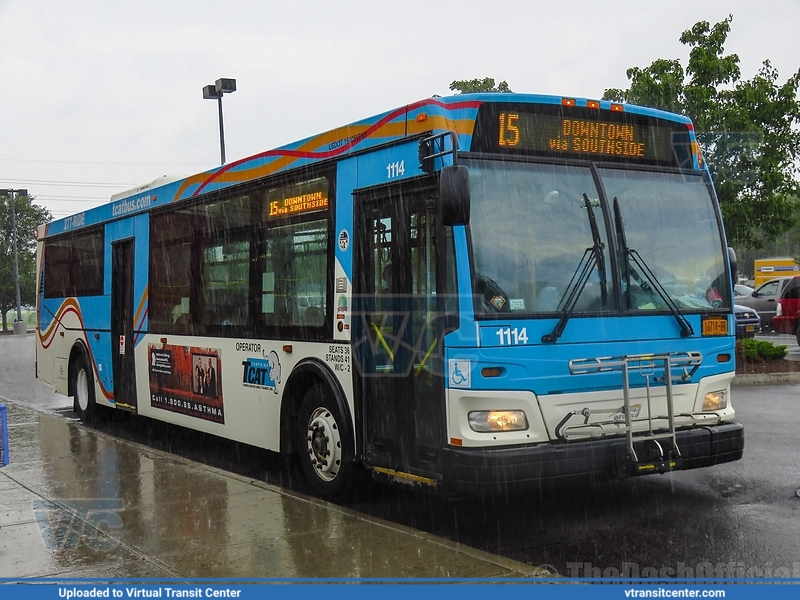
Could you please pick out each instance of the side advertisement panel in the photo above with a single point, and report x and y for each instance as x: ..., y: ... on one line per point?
x: 182, y: 383
x: 186, y: 380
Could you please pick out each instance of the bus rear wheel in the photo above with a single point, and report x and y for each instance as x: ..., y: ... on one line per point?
x: 83, y: 389
x: 326, y: 446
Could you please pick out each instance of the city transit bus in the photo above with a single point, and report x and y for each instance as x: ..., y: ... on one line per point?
x: 478, y: 292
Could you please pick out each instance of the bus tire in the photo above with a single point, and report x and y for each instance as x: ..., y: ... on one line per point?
x: 325, y: 442
x: 83, y: 402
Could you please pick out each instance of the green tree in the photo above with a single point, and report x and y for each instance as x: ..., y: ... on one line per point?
x: 472, y: 86
x: 29, y: 216
x: 748, y: 129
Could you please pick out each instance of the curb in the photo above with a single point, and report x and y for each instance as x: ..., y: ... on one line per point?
x: 789, y: 378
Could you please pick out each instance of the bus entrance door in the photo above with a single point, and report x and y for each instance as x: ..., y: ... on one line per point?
x: 401, y: 389
x: 122, y: 324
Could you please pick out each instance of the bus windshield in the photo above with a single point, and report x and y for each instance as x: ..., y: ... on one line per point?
x: 532, y: 230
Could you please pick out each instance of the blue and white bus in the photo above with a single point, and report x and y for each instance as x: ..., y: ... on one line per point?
x: 472, y: 293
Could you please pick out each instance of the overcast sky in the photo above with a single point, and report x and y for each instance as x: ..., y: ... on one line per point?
x: 102, y: 95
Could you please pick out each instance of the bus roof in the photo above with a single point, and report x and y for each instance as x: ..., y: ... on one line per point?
x: 157, y: 182
x: 438, y: 114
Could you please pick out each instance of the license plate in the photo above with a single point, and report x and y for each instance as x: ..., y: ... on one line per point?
x: 749, y: 328
x: 715, y: 325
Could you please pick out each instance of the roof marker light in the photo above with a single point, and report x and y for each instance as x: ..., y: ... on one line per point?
x: 618, y: 108
x: 592, y: 104
x: 568, y: 101
x: 422, y: 117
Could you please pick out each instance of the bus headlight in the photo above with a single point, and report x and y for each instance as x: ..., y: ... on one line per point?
x: 487, y: 421
x: 715, y: 401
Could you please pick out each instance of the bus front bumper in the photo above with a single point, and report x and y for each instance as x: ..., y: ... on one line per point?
x: 521, y: 467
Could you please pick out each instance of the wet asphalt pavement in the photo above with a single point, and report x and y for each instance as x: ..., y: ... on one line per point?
x: 78, y: 502
x: 740, y: 519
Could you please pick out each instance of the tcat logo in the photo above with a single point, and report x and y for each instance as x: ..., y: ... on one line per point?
x: 262, y: 373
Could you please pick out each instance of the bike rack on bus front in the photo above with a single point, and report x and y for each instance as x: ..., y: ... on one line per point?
x: 679, y: 365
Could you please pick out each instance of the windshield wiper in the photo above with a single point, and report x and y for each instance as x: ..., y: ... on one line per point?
x: 598, y: 250
x: 592, y: 257
x: 649, y: 281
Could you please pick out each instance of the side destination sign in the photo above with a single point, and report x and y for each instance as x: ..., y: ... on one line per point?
x: 298, y: 204
x: 297, y: 198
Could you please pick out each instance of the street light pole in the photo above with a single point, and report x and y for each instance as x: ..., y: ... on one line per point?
x: 215, y: 92
x: 19, y: 325
x: 221, y: 132
x: 16, y: 260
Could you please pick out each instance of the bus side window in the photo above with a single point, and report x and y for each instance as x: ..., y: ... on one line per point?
x: 170, y: 273
x: 226, y: 283
x: 294, y: 284
x: 74, y: 265
x: 180, y: 313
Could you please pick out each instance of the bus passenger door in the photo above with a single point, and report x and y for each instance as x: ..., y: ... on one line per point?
x: 122, y: 324
x: 396, y: 343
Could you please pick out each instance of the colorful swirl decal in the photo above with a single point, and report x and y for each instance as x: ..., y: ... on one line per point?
x: 354, y: 134
x: 46, y: 337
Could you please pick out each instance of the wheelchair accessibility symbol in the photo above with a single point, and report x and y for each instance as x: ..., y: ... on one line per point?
x: 459, y: 373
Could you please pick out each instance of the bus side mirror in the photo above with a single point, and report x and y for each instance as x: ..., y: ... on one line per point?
x: 454, y: 195
x: 734, y: 265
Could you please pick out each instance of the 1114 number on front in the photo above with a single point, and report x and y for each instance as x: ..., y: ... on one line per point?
x: 512, y: 337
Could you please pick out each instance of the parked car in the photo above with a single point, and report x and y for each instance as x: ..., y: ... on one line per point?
x: 764, y: 300
x: 788, y: 312
x: 741, y: 289
x: 748, y: 323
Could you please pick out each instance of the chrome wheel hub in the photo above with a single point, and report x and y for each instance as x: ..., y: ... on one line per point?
x: 324, y: 443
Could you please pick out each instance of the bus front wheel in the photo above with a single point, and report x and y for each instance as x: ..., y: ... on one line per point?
x: 83, y: 389
x: 326, y: 446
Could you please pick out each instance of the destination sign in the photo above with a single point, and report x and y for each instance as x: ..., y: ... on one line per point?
x: 297, y: 199
x: 581, y: 136
x: 298, y: 204
x: 581, y: 133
